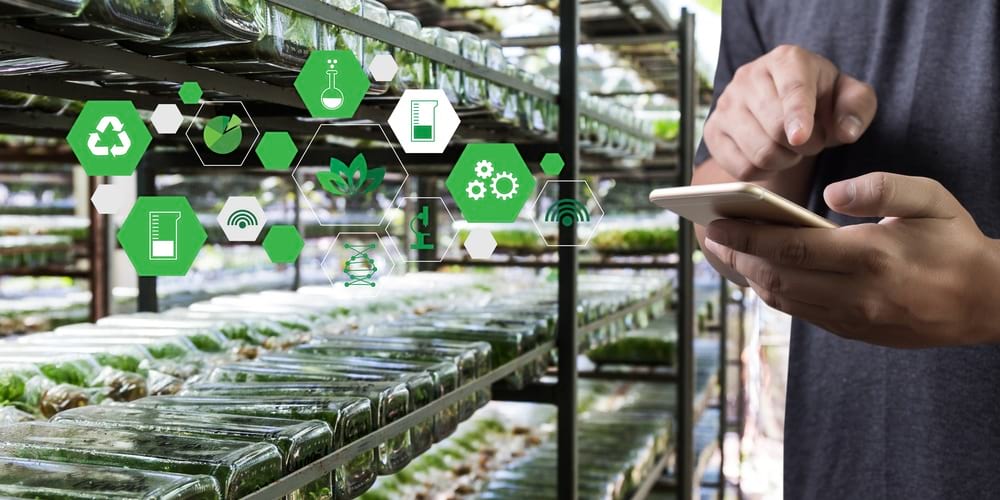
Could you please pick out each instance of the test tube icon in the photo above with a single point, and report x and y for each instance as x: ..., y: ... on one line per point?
x: 163, y: 235
x: 422, y: 118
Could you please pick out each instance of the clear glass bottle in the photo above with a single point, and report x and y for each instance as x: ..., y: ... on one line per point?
x: 288, y: 38
x: 240, y: 468
x: 473, y: 89
x: 112, y: 20
x: 375, y: 11
x: 496, y: 94
x: 25, y: 478
x: 333, y: 37
x: 410, y: 73
x: 441, y: 76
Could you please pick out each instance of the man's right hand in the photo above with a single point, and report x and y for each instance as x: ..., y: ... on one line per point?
x: 785, y: 106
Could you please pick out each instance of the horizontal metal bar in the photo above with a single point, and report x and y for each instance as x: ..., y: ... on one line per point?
x: 540, y: 392
x: 631, y: 376
x: 26, y: 41
x: 536, y: 264
x: 59, y: 87
x: 325, y: 465
x: 552, y: 40
x: 617, y: 315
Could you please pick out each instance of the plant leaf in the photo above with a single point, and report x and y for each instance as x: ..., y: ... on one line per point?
x: 326, y: 179
x: 375, y: 177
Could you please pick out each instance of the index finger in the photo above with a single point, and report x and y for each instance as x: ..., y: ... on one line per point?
x: 800, y: 79
x: 800, y: 247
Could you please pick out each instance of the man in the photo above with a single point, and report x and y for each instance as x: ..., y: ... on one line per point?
x: 883, y: 116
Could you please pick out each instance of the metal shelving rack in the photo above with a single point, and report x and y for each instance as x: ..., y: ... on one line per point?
x: 279, y: 105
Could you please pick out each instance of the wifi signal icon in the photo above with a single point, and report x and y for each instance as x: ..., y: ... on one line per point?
x: 242, y: 218
x: 566, y: 211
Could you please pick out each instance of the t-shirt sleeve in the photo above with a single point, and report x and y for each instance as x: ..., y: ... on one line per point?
x: 741, y: 43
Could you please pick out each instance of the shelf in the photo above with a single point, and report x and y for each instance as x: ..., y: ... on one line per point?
x: 541, y: 264
x: 325, y: 465
x: 593, y: 326
x: 654, y: 476
x: 47, y: 271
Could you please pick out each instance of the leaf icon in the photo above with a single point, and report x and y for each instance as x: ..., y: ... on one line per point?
x: 343, y: 180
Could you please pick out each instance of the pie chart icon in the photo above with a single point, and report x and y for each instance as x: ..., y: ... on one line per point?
x: 223, y: 134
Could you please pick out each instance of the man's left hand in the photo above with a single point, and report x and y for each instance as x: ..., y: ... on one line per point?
x: 923, y: 276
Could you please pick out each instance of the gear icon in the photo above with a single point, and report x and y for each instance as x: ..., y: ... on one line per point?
x: 484, y: 169
x: 513, y: 186
x: 476, y: 190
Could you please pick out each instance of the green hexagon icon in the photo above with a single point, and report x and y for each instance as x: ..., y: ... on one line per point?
x: 490, y: 183
x: 190, y: 92
x: 283, y: 244
x: 552, y: 164
x: 109, y: 138
x: 276, y: 150
x: 332, y: 83
x: 162, y: 236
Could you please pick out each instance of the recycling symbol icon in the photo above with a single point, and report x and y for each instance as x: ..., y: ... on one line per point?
x: 109, y: 138
x: 124, y: 143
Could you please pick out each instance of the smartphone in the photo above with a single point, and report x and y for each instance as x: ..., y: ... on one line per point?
x: 735, y: 200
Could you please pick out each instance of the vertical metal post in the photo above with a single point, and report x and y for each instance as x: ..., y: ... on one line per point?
x: 97, y: 249
x: 569, y: 145
x: 145, y: 179
x: 300, y: 227
x: 741, y: 391
x: 427, y: 188
x: 685, y: 274
x: 723, y: 379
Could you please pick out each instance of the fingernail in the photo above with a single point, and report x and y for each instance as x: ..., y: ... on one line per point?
x: 850, y: 190
x: 792, y: 127
x: 851, y: 125
x: 713, y: 247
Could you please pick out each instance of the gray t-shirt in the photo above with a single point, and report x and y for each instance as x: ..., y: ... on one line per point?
x: 872, y: 422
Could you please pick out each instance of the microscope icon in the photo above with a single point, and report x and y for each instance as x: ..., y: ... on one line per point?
x: 424, y: 219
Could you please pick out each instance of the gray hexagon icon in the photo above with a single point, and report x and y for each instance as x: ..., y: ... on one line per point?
x: 166, y: 118
x: 555, y: 212
x: 109, y: 199
x: 242, y: 218
x: 480, y: 243
x: 383, y: 68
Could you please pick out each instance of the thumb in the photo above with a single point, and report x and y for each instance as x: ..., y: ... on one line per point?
x: 853, y: 110
x: 882, y: 194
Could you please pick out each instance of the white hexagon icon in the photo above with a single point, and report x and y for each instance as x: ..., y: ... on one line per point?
x: 242, y: 218
x: 585, y: 211
x: 166, y: 118
x: 383, y: 68
x: 109, y: 199
x: 480, y: 243
x: 424, y: 121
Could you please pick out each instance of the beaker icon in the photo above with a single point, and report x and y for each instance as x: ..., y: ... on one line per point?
x: 331, y: 98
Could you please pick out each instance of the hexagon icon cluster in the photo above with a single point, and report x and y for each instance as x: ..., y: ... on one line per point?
x: 490, y: 183
x: 480, y: 243
x: 109, y: 138
x: 332, y: 84
x: 276, y: 150
x: 424, y: 121
x: 584, y: 211
x: 242, y: 218
x: 162, y: 236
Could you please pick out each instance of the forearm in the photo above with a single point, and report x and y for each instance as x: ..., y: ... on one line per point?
x: 792, y: 183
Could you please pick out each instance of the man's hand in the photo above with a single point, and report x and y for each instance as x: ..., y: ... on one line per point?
x: 925, y: 275
x: 785, y: 106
